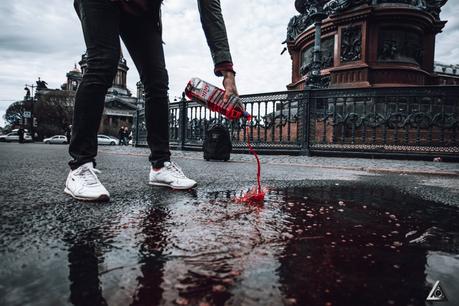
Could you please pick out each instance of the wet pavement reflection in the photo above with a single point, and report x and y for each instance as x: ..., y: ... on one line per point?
x: 349, y: 244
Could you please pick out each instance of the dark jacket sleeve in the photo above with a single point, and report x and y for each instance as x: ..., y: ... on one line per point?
x: 215, y: 31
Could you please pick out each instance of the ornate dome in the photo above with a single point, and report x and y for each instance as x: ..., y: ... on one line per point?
x: 74, y: 72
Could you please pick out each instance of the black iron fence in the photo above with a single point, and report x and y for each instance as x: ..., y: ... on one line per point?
x: 403, y: 121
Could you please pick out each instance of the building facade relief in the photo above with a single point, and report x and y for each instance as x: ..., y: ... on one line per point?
x: 379, y: 42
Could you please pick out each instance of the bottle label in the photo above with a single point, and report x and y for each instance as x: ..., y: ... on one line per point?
x: 205, y: 92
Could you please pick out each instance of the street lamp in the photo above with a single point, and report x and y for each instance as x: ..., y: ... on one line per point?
x: 30, y: 97
x: 140, y: 104
x: 137, y: 112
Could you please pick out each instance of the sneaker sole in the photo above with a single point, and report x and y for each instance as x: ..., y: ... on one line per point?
x: 176, y: 188
x: 102, y: 198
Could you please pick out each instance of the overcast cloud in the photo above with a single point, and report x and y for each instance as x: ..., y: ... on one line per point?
x: 43, y: 39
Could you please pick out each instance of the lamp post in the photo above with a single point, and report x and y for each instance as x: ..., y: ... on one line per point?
x: 317, y: 13
x: 31, y: 97
x: 137, y: 113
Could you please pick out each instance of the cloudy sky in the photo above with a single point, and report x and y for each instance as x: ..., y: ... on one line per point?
x: 43, y: 39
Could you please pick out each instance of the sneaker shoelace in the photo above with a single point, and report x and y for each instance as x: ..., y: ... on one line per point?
x: 176, y: 170
x: 89, y: 175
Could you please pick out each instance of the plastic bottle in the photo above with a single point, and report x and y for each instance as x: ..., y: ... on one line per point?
x: 211, y: 97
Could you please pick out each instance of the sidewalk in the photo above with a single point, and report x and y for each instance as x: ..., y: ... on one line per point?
x: 353, y: 164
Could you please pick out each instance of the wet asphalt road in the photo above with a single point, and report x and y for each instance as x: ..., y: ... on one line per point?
x: 151, y: 246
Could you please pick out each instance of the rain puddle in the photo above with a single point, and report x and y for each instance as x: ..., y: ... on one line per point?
x: 332, y: 245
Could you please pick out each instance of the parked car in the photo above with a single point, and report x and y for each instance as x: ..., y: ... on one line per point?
x: 56, y: 139
x: 107, y: 140
x: 14, y: 136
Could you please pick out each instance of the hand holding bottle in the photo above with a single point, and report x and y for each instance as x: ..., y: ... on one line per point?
x: 229, y: 83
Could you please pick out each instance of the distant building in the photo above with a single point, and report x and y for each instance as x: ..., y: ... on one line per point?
x: 446, y: 74
x: 120, y: 105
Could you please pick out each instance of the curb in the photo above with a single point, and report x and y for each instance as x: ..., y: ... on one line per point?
x: 416, y: 172
x: 346, y: 168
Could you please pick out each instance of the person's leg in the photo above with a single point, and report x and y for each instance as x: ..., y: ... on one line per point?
x: 142, y: 37
x: 100, y: 23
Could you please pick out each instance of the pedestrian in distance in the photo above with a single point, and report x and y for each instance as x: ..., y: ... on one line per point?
x: 130, y: 136
x: 138, y: 23
x: 21, y: 134
x: 120, y: 135
x: 126, y: 136
x: 68, y: 133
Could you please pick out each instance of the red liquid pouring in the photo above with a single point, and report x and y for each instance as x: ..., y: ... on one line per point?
x: 256, y: 195
x: 211, y: 97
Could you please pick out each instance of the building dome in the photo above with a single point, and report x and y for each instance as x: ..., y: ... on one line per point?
x: 75, y: 69
x: 119, y: 85
x: 74, y: 77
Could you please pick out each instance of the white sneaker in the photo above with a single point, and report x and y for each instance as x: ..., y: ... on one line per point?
x: 170, y: 176
x: 83, y: 184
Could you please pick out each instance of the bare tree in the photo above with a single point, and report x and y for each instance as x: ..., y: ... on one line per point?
x: 15, y: 112
x: 54, y: 111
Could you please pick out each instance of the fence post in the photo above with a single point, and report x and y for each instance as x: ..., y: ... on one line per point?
x: 182, y: 123
x: 304, y: 117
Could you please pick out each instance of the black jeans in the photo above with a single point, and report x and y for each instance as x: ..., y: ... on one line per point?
x: 103, y: 22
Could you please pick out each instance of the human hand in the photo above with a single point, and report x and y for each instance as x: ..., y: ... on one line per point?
x: 229, y: 83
